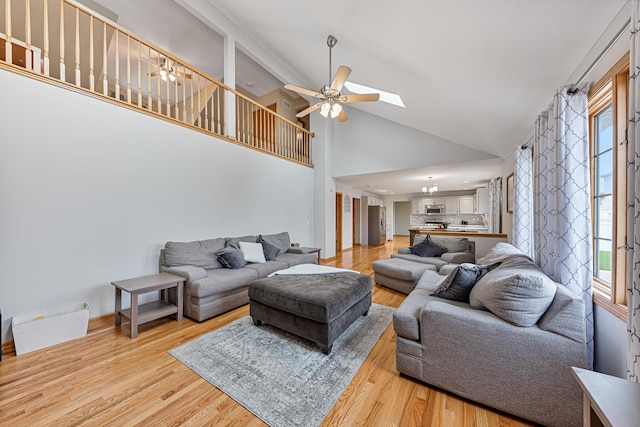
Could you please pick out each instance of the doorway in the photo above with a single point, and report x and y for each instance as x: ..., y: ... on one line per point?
x: 355, y: 228
x: 338, y: 223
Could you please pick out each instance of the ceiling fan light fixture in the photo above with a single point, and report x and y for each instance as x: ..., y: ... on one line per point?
x: 172, y: 75
x: 325, y: 108
x: 335, y: 110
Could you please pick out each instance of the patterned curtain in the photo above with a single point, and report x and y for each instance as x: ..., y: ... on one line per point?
x: 633, y: 215
x: 495, y: 193
x: 522, y: 235
x: 562, y: 208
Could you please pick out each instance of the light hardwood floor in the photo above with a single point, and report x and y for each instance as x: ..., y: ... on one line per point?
x: 108, y: 379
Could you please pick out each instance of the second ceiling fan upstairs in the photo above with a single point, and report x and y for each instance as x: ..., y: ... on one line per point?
x: 331, y: 99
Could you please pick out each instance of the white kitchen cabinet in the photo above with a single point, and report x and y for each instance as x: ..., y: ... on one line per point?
x: 452, y: 205
x: 466, y: 205
x: 483, y: 200
x: 417, y: 206
x: 439, y: 201
x: 374, y: 201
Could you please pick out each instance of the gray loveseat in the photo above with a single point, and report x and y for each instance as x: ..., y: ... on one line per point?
x: 210, y: 288
x: 484, y: 350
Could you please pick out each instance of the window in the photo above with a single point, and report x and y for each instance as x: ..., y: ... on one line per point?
x: 608, y: 111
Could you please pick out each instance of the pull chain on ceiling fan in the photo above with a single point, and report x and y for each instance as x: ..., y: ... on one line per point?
x: 331, y: 99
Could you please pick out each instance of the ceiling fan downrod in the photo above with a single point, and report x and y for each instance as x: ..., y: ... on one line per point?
x: 331, y: 42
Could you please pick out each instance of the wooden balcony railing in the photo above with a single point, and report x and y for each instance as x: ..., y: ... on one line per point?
x: 65, y: 43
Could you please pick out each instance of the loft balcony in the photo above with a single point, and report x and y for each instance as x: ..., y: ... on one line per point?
x: 64, y: 43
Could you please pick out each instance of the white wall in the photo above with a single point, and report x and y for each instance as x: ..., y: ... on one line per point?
x: 90, y: 192
x: 610, y: 343
x: 369, y: 144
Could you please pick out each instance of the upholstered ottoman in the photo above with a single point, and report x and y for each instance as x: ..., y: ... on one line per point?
x: 399, y: 274
x: 319, y: 307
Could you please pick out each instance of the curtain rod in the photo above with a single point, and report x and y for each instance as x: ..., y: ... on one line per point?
x: 574, y: 87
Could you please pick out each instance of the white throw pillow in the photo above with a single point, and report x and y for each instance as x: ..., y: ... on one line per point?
x: 252, y: 252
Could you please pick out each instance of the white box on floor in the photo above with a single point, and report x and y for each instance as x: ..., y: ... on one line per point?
x: 39, y: 329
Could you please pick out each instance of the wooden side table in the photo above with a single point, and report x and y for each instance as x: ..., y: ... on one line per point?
x: 608, y: 401
x: 139, y: 314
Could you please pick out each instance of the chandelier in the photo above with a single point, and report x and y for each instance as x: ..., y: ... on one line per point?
x: 430, y: 188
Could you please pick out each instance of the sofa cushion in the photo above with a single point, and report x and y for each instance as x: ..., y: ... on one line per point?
x: 561, y: 315
x: 235, y: 241
x: 221, y: 281
x: 437, y: 261
x: 270, y: 250
x: 266, y: 268
x: 199, y: 253
x: 401, y: 269
x: 520, y: 295
x: 296, y: 259
x: 500, y: 252
x: 458, y: 284
x: 231, y: 257
x: 427, y: 248
x: 452, y: 244
x: 252, y: 252
x: 280, y: 240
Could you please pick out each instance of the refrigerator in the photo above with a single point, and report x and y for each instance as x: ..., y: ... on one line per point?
x: 377, y: 225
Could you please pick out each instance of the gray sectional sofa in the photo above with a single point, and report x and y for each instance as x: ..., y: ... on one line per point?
x: 212, y: 289
x: 510, y: 346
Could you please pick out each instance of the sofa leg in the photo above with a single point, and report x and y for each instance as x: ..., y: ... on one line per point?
x: 256, y: 322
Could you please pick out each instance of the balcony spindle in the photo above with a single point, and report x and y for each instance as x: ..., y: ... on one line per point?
x: 139, y: 74
x: 77, y: 48
x: 62, y: 66
x: 105, y: 62
x: 149, y: 98
x: 117, y: 70
x: 128, y: 69
x: 46, y: 37
x: 92, y: 78
x: 27, y: 23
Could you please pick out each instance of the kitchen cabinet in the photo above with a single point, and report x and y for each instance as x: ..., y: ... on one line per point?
x: 452, y: 205
x: 417, y: 206
x: 482, y: 206
x: 374, y: 201
x: 466, y: 205
x: 438, y: 201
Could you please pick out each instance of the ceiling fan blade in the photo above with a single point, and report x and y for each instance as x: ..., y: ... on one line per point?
x: 181, y: 74
x: 341, y: 76
x: 311, y: 109
x: 365, y: 97
x: 342, y: 117
x: 155, y: 73
x: 303, y: 91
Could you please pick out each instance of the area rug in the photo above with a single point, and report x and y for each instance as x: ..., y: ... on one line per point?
x: 283, y: 379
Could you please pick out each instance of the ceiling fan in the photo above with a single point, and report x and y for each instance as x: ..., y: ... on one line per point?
x: 167, y: 72
x: 331, y: 99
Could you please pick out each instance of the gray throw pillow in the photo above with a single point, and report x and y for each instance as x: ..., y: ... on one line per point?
x: 270, y: 251
x: 520, y: 295
x: 231, y: 257
x: 458, y: 284
x: 427, y: 248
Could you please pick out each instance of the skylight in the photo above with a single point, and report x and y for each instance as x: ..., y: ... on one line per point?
x: 388, y: 97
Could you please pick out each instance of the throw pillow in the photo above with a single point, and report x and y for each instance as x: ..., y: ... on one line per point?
x: 252, y: 252
x: 458, y: 284
x: 519, y: 295
x: 270, y: 251
x: 427, y: 248
x: 231, y: 257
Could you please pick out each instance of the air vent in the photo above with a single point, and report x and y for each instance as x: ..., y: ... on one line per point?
x: 286, y: 103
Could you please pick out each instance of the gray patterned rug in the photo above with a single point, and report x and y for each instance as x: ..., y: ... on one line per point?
x: 283, y: 379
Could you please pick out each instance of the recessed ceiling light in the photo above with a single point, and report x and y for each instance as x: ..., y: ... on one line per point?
x: 249, y: 84
x: 388, y: 97
x: 466, y: 182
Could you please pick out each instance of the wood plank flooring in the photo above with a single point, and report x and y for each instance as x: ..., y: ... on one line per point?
x: 108, y: 379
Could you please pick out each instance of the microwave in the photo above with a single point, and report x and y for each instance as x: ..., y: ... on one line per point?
x: 434, y: 209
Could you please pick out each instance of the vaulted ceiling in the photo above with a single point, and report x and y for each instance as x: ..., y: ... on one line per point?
x: 474, y: 72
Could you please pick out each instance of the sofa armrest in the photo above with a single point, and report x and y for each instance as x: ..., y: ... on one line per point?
x: 404, y: 251
x: 189, y: 272
x: 458, y: 257
x: 469, y: 352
